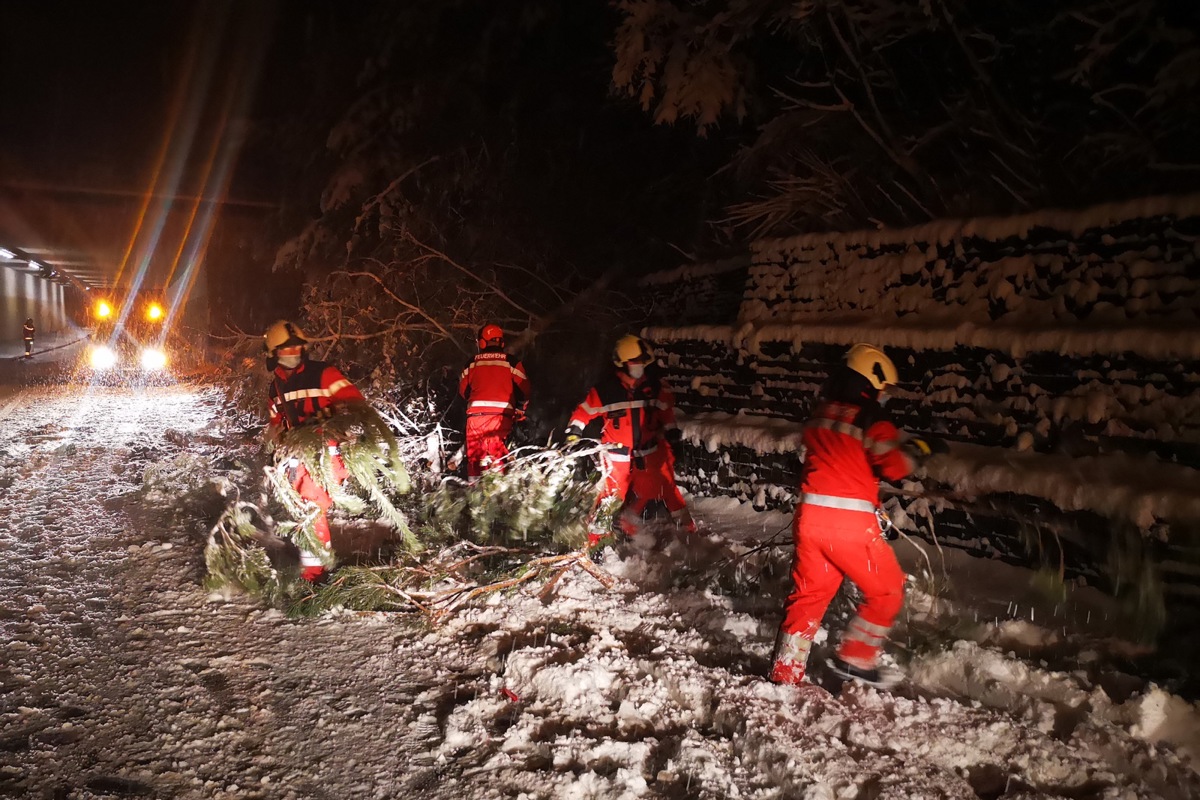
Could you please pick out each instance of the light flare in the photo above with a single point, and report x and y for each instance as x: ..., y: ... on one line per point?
x: 102, y: 357
x: 154, y: 359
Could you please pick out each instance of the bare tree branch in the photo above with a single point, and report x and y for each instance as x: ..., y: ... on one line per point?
x: 399, y: 300
x: 434, y: 252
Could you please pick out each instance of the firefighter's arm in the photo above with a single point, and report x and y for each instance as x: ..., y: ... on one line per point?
x: 584, y: 413
x: 665, y: 408
x: 274, y: 412
x: 884, y: 453
x: 464, y: 382
x: 521, y: 385
x: 275, y: 425
x: 339, y: 387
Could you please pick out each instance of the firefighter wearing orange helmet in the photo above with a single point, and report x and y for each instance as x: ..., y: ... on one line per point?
x: 849, y: 444
x: 638, y: 414
x: 496, y: 390
x: 302, y: 392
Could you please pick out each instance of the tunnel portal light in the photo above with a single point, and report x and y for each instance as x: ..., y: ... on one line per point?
x: 154, y: 312
x: 34, y: 265
x: 103, y: 310
x: 6, y: 254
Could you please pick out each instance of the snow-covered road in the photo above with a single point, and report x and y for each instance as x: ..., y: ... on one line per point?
x: 121, y: 676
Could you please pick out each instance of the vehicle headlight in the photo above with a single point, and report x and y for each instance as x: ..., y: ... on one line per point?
x: 103, y: 357
x: 153, y: 358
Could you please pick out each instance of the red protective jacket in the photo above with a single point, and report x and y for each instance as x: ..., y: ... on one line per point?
x: 848, y: 448
x: 635, y: 413
x: 494, y: 383
x: 297, y: 396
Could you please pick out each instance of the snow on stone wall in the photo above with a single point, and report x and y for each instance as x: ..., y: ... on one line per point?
x: 1058, y: 352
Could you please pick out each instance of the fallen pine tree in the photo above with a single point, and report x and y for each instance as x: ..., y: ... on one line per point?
x: 460, y: 541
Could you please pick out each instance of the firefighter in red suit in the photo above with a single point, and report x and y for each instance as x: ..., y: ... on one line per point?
x: 497, y: 392
x: 849, y: 444
x: 638, y: 411
x: 303, y: 392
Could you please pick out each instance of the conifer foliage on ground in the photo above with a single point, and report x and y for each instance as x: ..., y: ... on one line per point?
x: 451, y: 541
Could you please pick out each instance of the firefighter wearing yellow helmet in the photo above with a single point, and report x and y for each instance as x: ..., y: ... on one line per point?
x: 637, y: 411
x: 301, y: 393
x: 849, y: 443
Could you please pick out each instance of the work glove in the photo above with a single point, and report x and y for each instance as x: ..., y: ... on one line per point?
x: 923, y: 447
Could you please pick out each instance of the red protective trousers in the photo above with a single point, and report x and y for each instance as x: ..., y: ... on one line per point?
x: 311, y: 490
x: 487, y: 437
x: 654, y: 480
x: 831, y: 544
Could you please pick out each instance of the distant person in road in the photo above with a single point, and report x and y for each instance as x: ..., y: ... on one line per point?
x: 638, y: 412
x: 28, y: 335
x: 849, y: 443
x: 496, y: 390
x: 303, y: 392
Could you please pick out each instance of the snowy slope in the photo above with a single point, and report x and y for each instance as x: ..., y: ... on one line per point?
x: 121, y: 677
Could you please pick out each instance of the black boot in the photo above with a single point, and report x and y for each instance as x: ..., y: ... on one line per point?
x: 880, y: 678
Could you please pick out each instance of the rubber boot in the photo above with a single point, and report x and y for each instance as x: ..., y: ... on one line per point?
x: 877, y: 676
x: 791, y: 658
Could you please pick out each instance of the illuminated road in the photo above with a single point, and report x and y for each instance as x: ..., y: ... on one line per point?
x: 119, y: 676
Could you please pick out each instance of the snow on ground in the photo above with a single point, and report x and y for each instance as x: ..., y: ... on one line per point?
x: 121, y: 677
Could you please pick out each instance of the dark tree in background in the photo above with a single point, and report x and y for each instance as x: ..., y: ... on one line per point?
x: 887, y: 112
x: 449, y: 163
x: 439, y: 164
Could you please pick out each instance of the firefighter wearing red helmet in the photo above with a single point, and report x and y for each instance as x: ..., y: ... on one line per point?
x: 496, y: 390
x: 638, y: 413
x: 849, y: 444
x: 302, y: 392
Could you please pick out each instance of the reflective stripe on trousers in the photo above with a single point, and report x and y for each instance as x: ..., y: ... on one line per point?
x: 862, y: 641
x: 792, y: 648
x: 308, y: 559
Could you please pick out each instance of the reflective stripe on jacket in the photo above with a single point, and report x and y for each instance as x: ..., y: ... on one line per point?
x: 494, y: 383
x: 298, y: 395
x: 847, y: 449
x: 635, y: 413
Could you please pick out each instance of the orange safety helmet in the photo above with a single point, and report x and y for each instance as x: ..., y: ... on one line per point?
x: 491, y: 336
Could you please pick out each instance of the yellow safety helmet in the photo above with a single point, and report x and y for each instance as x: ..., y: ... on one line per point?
x: 283, y: 334
x: 870, y: 362
x: 632, y: 349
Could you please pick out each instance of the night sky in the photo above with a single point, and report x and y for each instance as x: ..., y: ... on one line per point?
x: 90, y: 90
x: 553, y: 165
x: 86, y: 87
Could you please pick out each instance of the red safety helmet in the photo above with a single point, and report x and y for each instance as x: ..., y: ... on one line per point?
x: 491, y: 336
